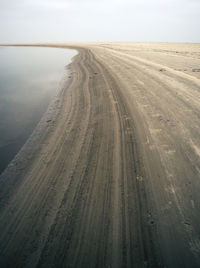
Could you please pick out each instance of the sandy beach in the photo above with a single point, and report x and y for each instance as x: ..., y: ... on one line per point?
x: 110, y: 177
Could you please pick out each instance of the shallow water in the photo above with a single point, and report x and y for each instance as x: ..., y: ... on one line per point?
x: 29, y: 78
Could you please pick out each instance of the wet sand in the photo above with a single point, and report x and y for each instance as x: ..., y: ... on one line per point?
x: 111, y: 175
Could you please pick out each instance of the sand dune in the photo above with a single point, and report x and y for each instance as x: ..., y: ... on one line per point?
x: 111, y: 175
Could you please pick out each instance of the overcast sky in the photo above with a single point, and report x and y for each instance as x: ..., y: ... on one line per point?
x: 99, y: 20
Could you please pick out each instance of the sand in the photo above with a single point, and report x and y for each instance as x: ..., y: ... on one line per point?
x: 111, y: 175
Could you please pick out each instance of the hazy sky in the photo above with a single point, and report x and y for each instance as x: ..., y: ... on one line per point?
x: 99, y: 20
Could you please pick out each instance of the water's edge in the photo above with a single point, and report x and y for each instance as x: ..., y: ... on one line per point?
x: 46, y: 120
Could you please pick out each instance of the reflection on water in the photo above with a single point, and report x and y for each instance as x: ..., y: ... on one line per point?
x: 29, y: 78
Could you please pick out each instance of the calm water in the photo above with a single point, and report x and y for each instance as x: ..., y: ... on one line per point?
x: 29, y: 78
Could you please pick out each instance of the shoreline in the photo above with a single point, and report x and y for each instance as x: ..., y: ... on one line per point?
x: 37, y: 106
x: 113, y: 178
x: 49, y: 117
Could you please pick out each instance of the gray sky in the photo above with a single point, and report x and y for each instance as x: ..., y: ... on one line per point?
x: 99, y: 20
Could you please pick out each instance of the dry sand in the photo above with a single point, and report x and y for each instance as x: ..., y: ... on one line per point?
x: 111, y: 175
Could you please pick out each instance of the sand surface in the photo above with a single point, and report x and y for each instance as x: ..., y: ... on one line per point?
x: 111, y: 175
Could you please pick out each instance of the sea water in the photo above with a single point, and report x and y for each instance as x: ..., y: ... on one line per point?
x: 29, y: 79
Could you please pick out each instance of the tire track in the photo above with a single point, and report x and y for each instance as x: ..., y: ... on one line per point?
x: 114, y: 178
